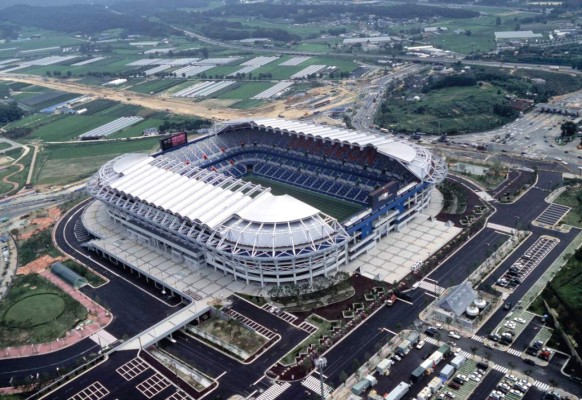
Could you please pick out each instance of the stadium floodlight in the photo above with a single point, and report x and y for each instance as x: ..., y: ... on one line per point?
x: 320, y: 364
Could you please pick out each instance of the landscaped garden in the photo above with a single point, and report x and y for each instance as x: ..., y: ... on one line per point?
x: 229, y: 335
x: 36, y: 311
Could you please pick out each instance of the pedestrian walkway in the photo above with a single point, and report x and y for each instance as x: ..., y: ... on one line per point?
x: 431, y: 287
x: 516, y: 353
x: 542, y: 386
x: 274, y: 391
x: 501, y: 228
x: 478, y: 338
x: 103, y: 338
x: 269, y: 334
x: 465, y: 354
x: 432, y: 341
x: 500, y: 368
x: 552, y: 215
x: 314, y: 385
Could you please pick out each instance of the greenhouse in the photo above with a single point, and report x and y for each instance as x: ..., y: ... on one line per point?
x: 68, y: 275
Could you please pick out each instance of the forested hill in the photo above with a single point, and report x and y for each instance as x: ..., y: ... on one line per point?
x: 10, y: 3
x: 87, y: 19
x: 302, y: 13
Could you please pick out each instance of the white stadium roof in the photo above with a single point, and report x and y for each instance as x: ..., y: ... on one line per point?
x: 241, y: 214
x: 416, y: 158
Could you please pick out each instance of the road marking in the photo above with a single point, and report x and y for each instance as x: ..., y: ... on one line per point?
x: 220, y: 376
x: 388, y: 330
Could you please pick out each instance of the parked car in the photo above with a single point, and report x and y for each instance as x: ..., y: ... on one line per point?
x: 420, y: 344
x: 454, y: 385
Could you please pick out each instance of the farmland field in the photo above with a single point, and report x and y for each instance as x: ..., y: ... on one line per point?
x: 156, y: 85
x: 69, y: 127
x: 246, y: 90
x: 65, y: 163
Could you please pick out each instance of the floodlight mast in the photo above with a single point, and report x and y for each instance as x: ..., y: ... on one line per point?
x: 321, y: 363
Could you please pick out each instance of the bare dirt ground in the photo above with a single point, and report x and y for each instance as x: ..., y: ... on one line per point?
x: 212, y: 109
x: 40, y: 222
x: 40, y: 264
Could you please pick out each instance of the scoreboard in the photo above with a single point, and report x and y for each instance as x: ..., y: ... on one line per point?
x: 173, y: 141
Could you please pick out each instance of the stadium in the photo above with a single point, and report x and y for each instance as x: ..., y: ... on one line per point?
x: 268, y: 201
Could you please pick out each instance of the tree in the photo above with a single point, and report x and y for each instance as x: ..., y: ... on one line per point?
x: 307, y: 364
x: 343, y: 376
x: 568, y: 128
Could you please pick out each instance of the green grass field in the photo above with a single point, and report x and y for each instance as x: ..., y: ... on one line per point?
x: 36, y: 311
x: 246, y: 90
x: 69, y: 127
x: 573, y: 199
x: 66, y: 163
x: 338, y: 209
x: 5, y: 187
x: 137, y: 129
x: 455, y: 109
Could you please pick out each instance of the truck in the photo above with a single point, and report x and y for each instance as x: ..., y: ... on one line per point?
x: 404, y: 347
x: 413, y: 337
x: 436, y: 357
x: 391, y: 300
x: 458, y: 361
x: 370, y: 378
x: 398, y: 392
x: 435, y: 384
x: 447, y: 371
x: 417, y: 373
x: 360, y: 387
x: 424, y: 394
x: 383, y: 366
x: 554, y: 67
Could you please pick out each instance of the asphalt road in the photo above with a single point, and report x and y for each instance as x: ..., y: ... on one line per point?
x: 487, y: 385
x: 473, y: 254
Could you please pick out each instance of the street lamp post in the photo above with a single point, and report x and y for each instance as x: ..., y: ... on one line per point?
x: 320, y: 364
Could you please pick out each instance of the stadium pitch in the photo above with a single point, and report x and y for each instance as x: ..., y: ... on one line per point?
x: 336, y: 208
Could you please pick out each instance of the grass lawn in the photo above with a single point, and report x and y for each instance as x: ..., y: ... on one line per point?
x: 246, y: 90
x: 5, y: 187
x: 69, y: 127
x: 573, y: 199
x: 36, y: 311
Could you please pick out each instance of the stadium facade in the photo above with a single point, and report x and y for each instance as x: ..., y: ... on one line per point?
x: 195, y: 202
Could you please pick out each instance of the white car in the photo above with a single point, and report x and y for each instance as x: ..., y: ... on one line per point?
x: 420, y: 344
x: 454, y: 335
x: 474, y: 378
x: 463, y: 377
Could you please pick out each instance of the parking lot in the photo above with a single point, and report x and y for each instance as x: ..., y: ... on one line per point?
x: 552, y: 215
x: 524, y: 265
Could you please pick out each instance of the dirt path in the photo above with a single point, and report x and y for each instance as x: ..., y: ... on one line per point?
x: 7, y: 180
x: 212, y: 109
x: 31, y: 169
